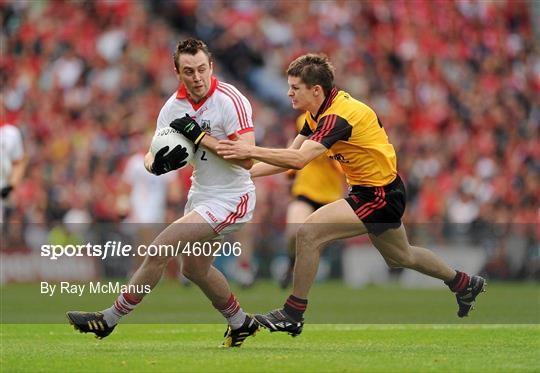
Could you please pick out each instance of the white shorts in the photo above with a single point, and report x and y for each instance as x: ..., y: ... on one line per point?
x: 225, y: 213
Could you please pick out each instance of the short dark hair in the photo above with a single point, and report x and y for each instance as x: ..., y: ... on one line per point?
x: 190, y: 46
x: 313, y: 69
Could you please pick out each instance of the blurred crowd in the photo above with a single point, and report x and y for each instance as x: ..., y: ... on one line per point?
x: 455, y: 83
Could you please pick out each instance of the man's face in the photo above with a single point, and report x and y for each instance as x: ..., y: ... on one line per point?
x: 195, y: 72
x: 302, y: 97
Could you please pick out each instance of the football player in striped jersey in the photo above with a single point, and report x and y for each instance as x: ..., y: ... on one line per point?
x: 350, y: 132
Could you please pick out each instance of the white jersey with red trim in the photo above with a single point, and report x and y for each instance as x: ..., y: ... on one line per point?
x: 11, y: 150
x: 223, y: 113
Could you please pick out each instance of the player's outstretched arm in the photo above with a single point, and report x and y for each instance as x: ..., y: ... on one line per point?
x: 285, y: 158
x: 265, y: 169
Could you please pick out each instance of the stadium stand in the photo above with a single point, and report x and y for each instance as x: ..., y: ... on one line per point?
x: 456, y: 85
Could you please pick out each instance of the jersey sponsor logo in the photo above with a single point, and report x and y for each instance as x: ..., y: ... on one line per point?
x: 339, y: 157
x: 202, y: 110
x: 211, y: 216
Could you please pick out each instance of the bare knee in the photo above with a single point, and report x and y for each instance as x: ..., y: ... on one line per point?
x: 307, y: 239
x: 158, y: 262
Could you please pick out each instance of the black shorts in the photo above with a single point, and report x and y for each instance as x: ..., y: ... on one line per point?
x: 309, y: 201
x: 379, y: 208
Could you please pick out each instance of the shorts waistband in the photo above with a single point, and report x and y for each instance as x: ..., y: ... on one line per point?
x: 359, y: 188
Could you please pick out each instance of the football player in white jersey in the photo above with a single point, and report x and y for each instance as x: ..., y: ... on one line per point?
x: 221, y: 199
x: 12, y: 162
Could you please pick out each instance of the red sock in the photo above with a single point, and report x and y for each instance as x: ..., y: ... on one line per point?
x: 459, y: 283
x: 125, y: 303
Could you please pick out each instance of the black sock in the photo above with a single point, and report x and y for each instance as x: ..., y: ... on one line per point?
x: 295, y: 307
x: 459, y: 283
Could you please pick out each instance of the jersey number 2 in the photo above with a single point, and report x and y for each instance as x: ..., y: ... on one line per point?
x: 203, y: 156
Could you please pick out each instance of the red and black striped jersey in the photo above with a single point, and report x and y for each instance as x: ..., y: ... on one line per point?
x: 354, y: 136
x: 321, y: 180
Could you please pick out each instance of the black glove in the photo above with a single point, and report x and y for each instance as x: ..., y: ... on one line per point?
x: 188, y: 127
x: 4, y: 192
x: 173, y: 160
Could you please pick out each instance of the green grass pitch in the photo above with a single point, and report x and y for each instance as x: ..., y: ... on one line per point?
x: 348, y: 330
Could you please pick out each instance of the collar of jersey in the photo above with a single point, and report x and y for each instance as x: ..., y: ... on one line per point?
x: 326, y: 103
x: 182, y: 94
